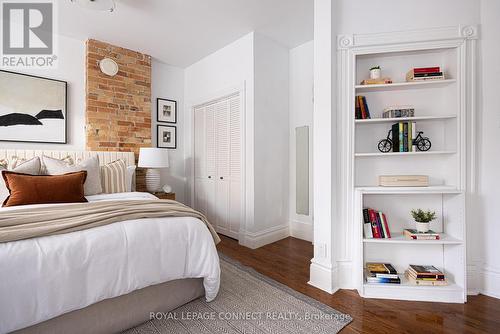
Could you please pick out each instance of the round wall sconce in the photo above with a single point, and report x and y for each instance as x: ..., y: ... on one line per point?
x: 108, y: 66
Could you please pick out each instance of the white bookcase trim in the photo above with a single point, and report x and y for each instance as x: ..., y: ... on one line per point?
x: 351, y: 246
x: 396, y: 37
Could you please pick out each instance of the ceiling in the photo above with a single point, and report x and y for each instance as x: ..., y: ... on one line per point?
x: 181, y: 32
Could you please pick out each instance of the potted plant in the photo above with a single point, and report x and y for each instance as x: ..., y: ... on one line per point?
x: 423, y: 219
x: 375, y: 72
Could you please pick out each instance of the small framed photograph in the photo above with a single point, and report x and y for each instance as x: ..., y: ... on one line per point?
x: 166, y: 111
x: 167, y: 136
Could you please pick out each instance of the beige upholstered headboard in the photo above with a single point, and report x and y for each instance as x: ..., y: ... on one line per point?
x: 104, y: 157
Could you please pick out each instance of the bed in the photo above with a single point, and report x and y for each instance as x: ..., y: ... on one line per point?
x: 108, y: 278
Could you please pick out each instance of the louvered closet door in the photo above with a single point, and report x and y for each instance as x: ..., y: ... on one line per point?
x: 211, y: 163
x: 218, y: 164
x: 235, y: 161
x: 222, y: 166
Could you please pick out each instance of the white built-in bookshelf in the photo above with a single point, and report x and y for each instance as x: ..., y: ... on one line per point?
x: 441, y: 112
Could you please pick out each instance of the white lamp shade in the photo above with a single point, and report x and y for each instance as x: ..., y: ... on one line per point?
x: 150, y: 157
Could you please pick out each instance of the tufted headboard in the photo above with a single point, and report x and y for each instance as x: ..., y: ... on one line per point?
x: 104, y: 157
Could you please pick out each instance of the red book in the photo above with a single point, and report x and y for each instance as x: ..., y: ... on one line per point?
x: 427, y: 70
x: 386, y: 225
x: 362, y: 105
x: 373, y: 220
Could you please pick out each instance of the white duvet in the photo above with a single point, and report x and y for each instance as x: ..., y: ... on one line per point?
x: 45, y: 277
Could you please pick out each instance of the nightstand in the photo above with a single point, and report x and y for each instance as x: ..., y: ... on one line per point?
x: 162, y: 195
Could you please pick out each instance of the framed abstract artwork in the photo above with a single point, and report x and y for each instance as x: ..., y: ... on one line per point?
x: 166, y: 111
x: 32, y: 109
x: 166, y: 137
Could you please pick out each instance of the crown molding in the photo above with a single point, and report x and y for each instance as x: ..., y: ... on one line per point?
x: 462, y: 32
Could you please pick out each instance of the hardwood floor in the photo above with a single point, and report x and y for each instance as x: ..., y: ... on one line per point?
x: 287, y: 261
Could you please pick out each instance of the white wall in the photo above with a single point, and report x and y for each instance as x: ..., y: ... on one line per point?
x: 260, y: 66
x: 71, y: 69
x: 167, y: 82
x: 301, y: 114
x: 271, y: 137
x: 361, y: 16
x: 226, y: 70
x: 223, y: 70
x: 489, y: 154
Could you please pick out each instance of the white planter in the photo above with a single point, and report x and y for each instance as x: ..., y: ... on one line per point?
x: 375, y: 73
x: 423, y: 227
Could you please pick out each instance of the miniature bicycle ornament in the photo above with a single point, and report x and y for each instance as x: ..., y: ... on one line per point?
x: 422, y: 143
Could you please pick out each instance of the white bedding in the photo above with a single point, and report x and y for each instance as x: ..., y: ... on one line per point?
x: 45, y: 277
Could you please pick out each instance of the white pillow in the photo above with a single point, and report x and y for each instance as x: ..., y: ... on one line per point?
x: 92, y: 184
x: 32, y: 167
x: 129, y: 178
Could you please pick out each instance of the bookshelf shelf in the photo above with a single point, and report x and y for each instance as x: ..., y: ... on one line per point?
x: 404, y: 119
x: 403, y: 85
x: 409, y: 190
x: 399, y: 238
x: 392, y: 154
x: 406, y: 284
x: 408, y: 291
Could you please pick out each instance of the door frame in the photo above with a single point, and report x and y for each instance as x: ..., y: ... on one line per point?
x: 208, y: 99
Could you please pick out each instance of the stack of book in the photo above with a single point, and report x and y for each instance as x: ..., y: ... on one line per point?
x: 375, y: 224
x: 425, y: 73
x: 362, y: 111
x: 381, y: 81
x: 398, y: 111
x: 403, y: 134
x: 413, y: 234
x: 381, y: 273
x: 425, y: 275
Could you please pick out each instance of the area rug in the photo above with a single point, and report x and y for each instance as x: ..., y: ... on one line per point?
x: 248, y: 302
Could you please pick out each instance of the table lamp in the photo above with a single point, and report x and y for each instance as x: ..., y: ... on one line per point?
x: 153, y: 159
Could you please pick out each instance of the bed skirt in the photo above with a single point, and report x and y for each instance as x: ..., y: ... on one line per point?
x: 118, y: 314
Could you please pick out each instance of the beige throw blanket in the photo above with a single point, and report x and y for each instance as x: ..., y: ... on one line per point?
x: 57, y: 219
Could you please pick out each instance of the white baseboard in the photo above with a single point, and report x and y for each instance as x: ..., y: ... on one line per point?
x: 300, y: 230
x: 322, y: 277
x: 483, y: 279
x: 480, y: 279
x: 345, y: 275
x: 255, y: 240
x: 490, y: 282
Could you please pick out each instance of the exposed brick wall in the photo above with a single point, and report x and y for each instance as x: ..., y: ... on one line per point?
x: 118, y: 109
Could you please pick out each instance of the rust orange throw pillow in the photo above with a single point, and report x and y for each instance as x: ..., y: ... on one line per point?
x: 43, y: 189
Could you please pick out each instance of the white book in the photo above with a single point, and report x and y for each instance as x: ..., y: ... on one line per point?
x: 440, y: 77
x: 413, y: 135
x: 367, y: 227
